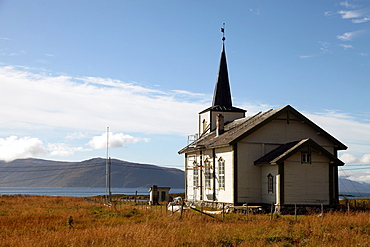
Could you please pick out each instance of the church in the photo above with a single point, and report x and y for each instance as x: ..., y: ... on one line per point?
x: 275, y: 157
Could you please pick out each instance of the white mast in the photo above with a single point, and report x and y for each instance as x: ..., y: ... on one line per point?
x: 107, y: 171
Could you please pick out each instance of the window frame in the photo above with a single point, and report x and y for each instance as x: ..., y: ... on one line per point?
x: 195, y: 175
x: 221, y: 173
x: 306, y: 157
x: 270, y: 183
x: 207, y: 174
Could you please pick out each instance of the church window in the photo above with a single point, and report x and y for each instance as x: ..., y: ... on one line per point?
x: 204, y: 125
x: 195, y: 175
x: 270, y: 183
x: 207, y: 173
x: 221, y: 173
x: 306, y: 157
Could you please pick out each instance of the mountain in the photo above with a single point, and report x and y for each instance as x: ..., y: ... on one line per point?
x: 91, y: 173
x: 88, y: 173
x: 347, y: 186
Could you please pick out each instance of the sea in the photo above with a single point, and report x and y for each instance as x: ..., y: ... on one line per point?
x: 87, y: 192
x: 76, y: 192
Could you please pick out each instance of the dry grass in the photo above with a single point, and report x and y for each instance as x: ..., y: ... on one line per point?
x: 44, y: 221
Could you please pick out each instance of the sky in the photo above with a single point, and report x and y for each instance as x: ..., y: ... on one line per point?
x: 69, y: 70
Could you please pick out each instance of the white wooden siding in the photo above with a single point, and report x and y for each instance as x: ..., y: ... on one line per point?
x: 227, y: 194
x: 306, y: 183
x: 249, y: 175
x: 268, y: 197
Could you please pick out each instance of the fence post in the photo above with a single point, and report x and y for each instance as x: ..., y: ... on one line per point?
x: 295, y: 212
x: 246, y: 210
x: 348, y: 209
x: 272, y: 208
x: 182, y: 208
x: 223, y: 211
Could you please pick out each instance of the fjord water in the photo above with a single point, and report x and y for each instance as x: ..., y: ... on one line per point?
x: 75, y: 192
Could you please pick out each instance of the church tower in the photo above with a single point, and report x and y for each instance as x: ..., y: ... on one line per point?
x: 222, y: 110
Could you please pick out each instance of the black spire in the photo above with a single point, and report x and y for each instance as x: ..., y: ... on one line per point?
x: 222, y: 94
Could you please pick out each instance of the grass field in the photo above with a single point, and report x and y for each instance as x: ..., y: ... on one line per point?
x: 73, y: 221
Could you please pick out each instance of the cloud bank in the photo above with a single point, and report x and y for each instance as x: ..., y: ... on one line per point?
x: 29, y: 100
x: 34, y: 101
x: 114, y: 140
x: 13, y: 147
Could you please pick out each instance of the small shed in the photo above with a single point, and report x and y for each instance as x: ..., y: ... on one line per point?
x: 158, y: 194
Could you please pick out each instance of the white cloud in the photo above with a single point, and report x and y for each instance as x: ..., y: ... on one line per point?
x: 75, y: 136
x: 347, y: 5
x: 324, y: 46
x: 114, y: 140
x: 365, y: 159
x: 33, y: 101
x: 349, y: 36
x: 357, y: 16
x: 256, y: 11
x: 365, y: 19
x: 13, y: 147
x: 91, y: 104
x: 346, y: 46
x: 362, y: 176
x: 350, y: 14
x: 330, y: 13
x: 354, y: 134
x: 62, y: 149
x: 349, y: 158
x: 307, y: 56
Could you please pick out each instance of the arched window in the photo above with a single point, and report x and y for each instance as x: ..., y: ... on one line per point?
x: 270, y: 183
x: 207, y: 173
x: 221, y: 173
x: 195, y: 174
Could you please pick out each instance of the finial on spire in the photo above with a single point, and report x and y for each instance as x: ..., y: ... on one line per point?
x: 223, y: 32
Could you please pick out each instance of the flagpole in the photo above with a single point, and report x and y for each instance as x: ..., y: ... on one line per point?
x: 107, y: 171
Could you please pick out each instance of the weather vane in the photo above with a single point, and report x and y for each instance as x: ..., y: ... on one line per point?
x: 223, y: 32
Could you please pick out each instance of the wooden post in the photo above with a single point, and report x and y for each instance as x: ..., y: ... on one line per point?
x: 182, y: 208
x: 223, y: 211
x: 135, y: 196
x: 295, y: 212
x: 246, y: 210
x: 271, y: 213
x: 322, y: 210
x: 348, y: 209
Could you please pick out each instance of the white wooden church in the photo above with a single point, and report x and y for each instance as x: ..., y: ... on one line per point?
x: 278, y: 156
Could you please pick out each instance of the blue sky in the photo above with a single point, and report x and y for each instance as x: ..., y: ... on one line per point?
x: 70, y: 69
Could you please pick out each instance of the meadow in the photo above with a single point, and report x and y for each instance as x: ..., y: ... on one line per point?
x: 74, y: 221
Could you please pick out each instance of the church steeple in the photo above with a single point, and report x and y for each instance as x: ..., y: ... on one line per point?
x: 222, y: 107
x: 222, y: 94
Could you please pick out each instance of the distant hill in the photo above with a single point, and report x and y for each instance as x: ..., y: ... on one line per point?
x: 91, y: 173
x: 347, y: 186
x: 88, y: 173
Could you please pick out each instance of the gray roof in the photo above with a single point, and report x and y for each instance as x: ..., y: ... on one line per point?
x: 281, y: 153
x: 223, y: 109
x: 222, y: 94
x: 240, y: 128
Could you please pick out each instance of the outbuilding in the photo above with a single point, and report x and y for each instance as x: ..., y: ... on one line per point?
x: 158, y: 194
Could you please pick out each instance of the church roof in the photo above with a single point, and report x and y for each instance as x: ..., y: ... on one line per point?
x: 223, y: 108
x: 240, y: 128
x: 281, y: 153
x: 222, y: 93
